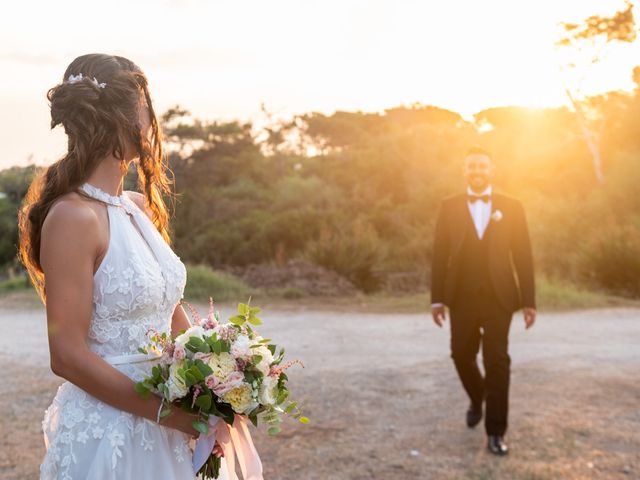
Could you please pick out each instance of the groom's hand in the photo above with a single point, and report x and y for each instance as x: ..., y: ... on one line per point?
x: 529, y: 316
x: 437, y: 312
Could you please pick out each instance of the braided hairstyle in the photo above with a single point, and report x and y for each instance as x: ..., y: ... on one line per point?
x: 100, y: 118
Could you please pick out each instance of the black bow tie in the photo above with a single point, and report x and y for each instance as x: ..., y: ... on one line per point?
x: 474, y: 198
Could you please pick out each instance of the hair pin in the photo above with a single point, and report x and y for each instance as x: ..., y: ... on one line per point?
x: 78, y: 78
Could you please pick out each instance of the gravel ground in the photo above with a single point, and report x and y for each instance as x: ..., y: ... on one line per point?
x: 385, y: 402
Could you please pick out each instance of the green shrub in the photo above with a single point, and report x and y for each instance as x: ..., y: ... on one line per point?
x: 13, y: 284
x: 556, y: 294
x: 203, y: 282
x: 288, y: 293
x: 611, y: 261
x: 354, y: 253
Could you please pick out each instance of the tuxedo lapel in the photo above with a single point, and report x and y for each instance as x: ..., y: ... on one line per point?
x: 461, y: 225
x: 496, y: 205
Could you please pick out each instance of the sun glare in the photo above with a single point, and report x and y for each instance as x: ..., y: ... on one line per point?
x: 343, y: 55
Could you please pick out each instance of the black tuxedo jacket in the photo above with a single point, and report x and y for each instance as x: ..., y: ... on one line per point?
x: 510, y: 259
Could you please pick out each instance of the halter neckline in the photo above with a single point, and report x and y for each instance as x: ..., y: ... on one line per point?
x: 121, y: 200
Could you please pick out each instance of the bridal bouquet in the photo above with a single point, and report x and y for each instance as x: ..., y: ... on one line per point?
x: 225, y: 373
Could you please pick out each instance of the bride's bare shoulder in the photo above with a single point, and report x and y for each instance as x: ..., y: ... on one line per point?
x: 70, y: 213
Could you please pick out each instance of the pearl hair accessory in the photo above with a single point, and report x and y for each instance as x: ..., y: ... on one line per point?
x: 77, y: 78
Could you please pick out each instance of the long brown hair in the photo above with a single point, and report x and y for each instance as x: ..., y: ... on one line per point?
x: 98, y: 122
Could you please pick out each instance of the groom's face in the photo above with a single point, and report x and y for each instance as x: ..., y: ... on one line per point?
x: 477, y: 171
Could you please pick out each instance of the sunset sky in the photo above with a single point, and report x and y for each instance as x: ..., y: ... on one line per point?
x: 221, y: 60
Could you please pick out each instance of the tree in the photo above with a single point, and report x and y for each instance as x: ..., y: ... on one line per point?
x: 591, y: 39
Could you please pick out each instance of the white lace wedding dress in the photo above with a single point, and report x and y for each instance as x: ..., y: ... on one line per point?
x: 136, y: 288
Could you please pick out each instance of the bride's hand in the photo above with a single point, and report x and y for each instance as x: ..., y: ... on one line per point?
x: 181, y: 420
x: 217, y: 450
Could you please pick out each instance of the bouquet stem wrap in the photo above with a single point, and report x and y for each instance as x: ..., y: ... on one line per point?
x: 235, y: 441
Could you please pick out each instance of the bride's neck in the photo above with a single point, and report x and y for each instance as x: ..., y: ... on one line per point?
x: 109, y: 175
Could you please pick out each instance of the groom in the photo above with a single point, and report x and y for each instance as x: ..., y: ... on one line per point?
x: 482, y: 269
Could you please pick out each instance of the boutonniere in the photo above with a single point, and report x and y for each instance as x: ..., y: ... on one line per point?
x: 496, y: 216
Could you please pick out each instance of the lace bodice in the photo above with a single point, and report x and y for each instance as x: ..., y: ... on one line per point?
x: 138, y: 283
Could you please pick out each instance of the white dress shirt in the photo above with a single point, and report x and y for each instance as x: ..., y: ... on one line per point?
x: 480, y: 213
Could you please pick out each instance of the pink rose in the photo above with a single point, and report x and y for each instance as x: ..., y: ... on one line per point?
x: 232, y: 381
x: 178, y: 353
x: 211, y: 382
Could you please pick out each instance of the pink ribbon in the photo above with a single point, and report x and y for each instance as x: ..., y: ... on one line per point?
x: 235, y: 441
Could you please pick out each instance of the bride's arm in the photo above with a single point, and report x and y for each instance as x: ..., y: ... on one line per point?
x: 179, y: 321
x: 70, y: 244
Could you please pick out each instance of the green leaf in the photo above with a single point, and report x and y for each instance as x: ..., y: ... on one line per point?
x: 201, y: 426
x: 165, y: 412
x: 196, y: 344
x: 162, y: 387
x: 204, y: 402
x: 304, y: 420
x: 290, y: 407
x: 253, y: 416
x: 255, y: 310
x: 142, y: 389
x: 237, y: 320
x: 189, y: 379
x: 143, y: 350
x: 243, y: 309
x: 274, y: 430
x: 282, y: 397
x: 254, y: 321
x: 205, y: 369
x: 211, y: 339
x: 249, y: 376
x: 257, y: 359
x: 272, y: 349
x: 196, y: 373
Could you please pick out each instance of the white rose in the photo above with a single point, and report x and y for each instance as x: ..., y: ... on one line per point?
x: 240, y: 398
x: 222, y: 364
x: 177, y: 386
x: 193, y: 331
x: 268, y: 391
x: 241, y: 347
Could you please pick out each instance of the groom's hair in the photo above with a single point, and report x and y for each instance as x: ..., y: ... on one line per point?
x: 478, y: 151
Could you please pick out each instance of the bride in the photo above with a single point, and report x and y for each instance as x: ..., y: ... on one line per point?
x: 100, y: 260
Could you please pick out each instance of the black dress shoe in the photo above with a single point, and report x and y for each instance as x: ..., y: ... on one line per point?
x: 496, y: 445
x: 474, y: 415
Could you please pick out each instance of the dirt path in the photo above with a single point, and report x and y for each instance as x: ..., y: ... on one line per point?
x: 385, y: 402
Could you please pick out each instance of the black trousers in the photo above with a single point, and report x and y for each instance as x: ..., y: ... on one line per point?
x: 479, y: 319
